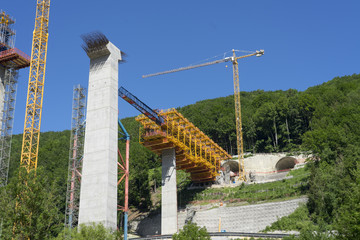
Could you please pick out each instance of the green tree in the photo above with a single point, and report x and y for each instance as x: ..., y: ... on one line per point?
x: 348, y: 216
x: 30, y: 207
x: 93, y: 232
x: 192, y: 232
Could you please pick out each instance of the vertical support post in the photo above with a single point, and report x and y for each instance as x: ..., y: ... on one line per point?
x: 219, y: 224
x: 125, y: 169
x: 98, y: 196
x: 126, y: 205
x: 168, y: 193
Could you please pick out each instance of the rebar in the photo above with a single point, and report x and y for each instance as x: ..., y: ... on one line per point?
x: 94, y: 41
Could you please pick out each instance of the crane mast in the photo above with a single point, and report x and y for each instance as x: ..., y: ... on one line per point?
x: 30, y: 142
x: 239, y: 134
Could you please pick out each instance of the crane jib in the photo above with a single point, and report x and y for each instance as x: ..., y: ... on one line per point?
x: 189, y: 67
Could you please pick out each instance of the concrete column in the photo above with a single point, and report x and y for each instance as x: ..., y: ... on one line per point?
x: 168, y: 193
x: 98, y: 195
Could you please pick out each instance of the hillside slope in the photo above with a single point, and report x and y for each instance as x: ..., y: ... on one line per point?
x: 324, y: 119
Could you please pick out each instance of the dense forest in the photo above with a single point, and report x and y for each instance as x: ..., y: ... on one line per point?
x: 323, y: 120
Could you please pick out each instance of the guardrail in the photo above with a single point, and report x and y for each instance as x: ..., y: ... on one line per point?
x: 227, y: 234
x: 15, y: 50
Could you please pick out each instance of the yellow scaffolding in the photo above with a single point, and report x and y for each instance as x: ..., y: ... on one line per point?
x: 195, y: 152
x: 30, y: 143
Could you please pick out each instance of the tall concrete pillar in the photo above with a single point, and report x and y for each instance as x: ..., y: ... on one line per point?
x: 168, y: 193
x: 98, y: 195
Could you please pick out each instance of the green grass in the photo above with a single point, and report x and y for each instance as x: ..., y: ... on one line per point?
x: 287, y: 188
x: 298, y: 221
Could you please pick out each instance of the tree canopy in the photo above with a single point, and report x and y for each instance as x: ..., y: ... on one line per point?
x: 324, y: 120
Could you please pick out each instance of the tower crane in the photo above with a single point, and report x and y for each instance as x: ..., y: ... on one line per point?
x: 30, y: 142
x: 239, y: 135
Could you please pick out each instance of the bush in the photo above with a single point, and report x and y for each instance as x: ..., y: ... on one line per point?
x: 192, y: 232
x: 298, y: 221
x: 93, y: 232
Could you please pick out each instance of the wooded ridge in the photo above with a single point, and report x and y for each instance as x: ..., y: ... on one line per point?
x: 323, y: 119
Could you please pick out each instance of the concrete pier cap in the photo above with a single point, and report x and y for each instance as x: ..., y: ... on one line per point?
x: 98, y: 194
x: 96, y: 45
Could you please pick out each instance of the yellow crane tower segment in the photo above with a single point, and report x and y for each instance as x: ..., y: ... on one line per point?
x: 31, y: 135
x: 239, y: 135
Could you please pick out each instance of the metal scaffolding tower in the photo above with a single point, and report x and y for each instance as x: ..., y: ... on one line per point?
x: 11, y: 59
x: 7, y: 121
x: 75, y: 157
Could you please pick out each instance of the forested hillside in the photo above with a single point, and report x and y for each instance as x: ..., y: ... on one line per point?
x: 324, y: 120
x: 272, y: 121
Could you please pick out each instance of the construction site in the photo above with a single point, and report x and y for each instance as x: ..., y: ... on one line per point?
x: 96, y: 167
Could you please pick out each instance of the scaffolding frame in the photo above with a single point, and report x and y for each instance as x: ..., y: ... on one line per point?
x: 195, y: 152
x: 123, y: 174
x: 7, y: 122
x: 11, y: 59
x: 7, y: 34
x: 75, y: 156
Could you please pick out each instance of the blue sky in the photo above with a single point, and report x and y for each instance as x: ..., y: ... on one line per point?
x: 306, y: 43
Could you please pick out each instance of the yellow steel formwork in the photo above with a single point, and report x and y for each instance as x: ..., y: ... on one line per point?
x: 30, y: 144
x: 195, y: 152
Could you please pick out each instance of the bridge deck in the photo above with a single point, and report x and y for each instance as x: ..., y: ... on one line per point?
x: 195, y: 152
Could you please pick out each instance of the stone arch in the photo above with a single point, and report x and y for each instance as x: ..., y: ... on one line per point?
x: 285, y: 163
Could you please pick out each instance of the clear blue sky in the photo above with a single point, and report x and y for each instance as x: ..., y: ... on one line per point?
x: 306, y: 43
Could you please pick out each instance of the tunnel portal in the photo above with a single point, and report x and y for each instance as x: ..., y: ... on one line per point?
x: 285, y: 163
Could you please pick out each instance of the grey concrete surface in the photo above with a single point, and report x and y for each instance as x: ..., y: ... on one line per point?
x: 249, y: 218
x: 98, y: 196
x: 168, y: 193
x: 265, y: 162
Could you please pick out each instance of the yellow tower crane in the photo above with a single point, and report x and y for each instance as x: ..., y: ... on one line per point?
x: 30, y: 143
x: 234, y: 59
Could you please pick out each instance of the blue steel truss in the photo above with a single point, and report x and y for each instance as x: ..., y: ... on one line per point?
x: 139, y: 105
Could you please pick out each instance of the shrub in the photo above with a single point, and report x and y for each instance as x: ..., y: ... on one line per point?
x: 192, y: 232
x: 93, y: 232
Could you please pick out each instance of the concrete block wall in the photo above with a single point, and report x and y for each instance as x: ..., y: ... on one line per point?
x: 249, y: 218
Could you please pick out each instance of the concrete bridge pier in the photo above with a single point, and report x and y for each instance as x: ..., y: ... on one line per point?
x: 98, y: 196
x: 168, y: 193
